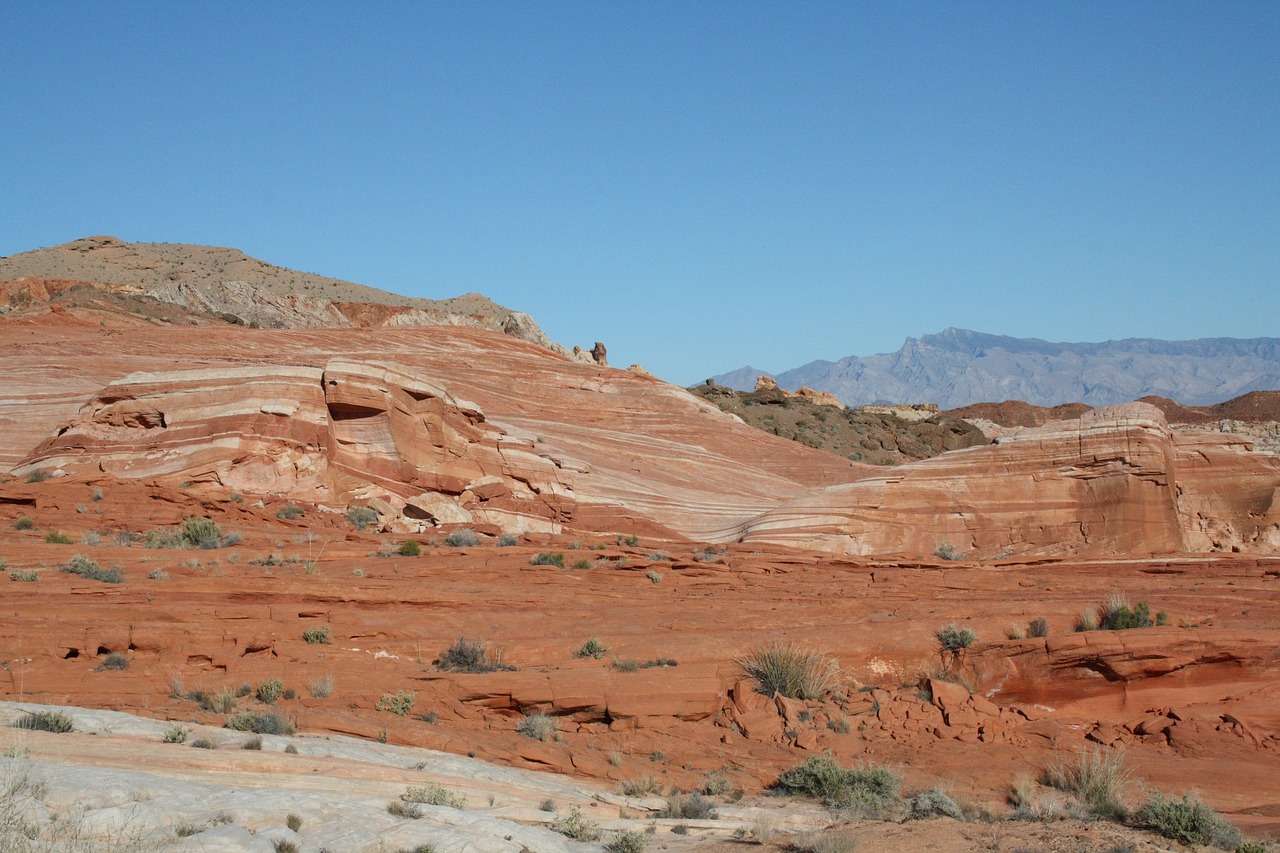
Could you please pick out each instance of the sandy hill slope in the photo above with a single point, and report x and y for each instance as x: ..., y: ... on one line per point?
x: 227, y: 285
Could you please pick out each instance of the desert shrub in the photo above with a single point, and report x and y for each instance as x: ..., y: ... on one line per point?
x: 321, y: 687
x: 470, y: 656
x: 175, y: 734
x: 826, y: 841
x: 284, y: 845
x: 222, y: 702
x: 548, y: 558
x: 947, y: 551
x: 538, y: 727
x: 627, y: 841
x: 293, y: 821
x: 290, y: 513
x: 1188, y: 819
x: 45, y: 721
x: 630, y: 541
x: 787, y: 669
x: 361, y: 516
x: 399, y: 703
x: 57, y: 537
x: 1087, y: 620
x: 658, y: 556
x: 253, y: 743
x: 1096, y: 779
x: 158, y: 575
x: 626, y: 665
x: 575, y: 826
x: 202, y: 533
x: 1038, y: 627
x: 434, y: 795
x: 318, y: 636
x: 116, y: 661
x: 717, y: 785
x: 88, y: 568
x: 397, y: 808
x: 37, y: 476
x: 409, y: 548
x: 1117, y: 615
x: 952, y: 638
x: 840, y: 725
x: 689, y: 807
x: 583, y: 564
x: 592, y: 648
x: 867, y: 791
x: 290, y: 749
x: 25, y: 575
x: 23, y: 523
x: 262, y: 724
x: 204, y: 743
x: 655, y: 577
x: 92, y: 538
x: 464, y: 538
x: 429, y: 717
x: 933, y: 803
x: 269, y: 691
x: 167, y: 538
x: 640, y: 786
x: 506, y: 540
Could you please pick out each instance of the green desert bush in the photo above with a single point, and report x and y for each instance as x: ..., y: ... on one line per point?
x: 548, y: 558
x: 1188, y: 819
x: 463, y: 538
x: 24, y: 575
x: 57, y: 537
x: 202, y: 533
x: 175, y: 734
x: 654, y: 577
x: 290, y: 513
x: 361, y: 517
x: 399, y: 703
x: 538, y: 726
x: 865, y: 791
x: 320, y: 636
x: 222, y: 702
x: 592, y: 648
x: 409, y: 548
x: 789, y: 670
x: 627, y: 841
x: 717, y: 785
x: 262, y: 724
x: 933, y: 803
x: 574, y: 825
x: 689, y: 807
x: 45, y: 721
x: 88, y: 568
x: 1038, y: 627
x: 506, y: 540
x: 952, y: 638
x: 470, y: 656
x: 253, y: 743
x: 626, y: 665
x: 1096, y: 779
x: 269, y: 691
x: 23, y: 523
x: 432, y: 794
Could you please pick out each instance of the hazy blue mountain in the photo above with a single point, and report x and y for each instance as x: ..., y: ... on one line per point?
x: 957, y: 367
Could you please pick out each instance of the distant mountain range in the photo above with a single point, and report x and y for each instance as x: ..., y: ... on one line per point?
x: 958, y: 367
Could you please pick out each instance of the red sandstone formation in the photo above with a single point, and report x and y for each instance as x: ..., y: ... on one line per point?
x: 1115, y: 482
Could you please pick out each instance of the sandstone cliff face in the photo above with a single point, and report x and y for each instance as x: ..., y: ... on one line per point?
x: 383, y: 418
x: 1115, y: 481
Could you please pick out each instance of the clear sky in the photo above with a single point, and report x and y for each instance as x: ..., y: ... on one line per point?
x: 700, y: 185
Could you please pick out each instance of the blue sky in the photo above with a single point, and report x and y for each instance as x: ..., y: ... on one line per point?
x: 698, y: 185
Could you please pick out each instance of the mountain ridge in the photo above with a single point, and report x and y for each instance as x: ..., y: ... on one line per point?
x: 959, y: 367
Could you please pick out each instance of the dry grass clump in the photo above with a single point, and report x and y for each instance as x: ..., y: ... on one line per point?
x: 790, y: 670
x: 432, y: 794
x: 1096, y: 780
x: 539, y: 726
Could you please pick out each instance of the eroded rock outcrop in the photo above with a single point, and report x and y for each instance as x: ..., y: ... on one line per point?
x: 1115, y: 481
